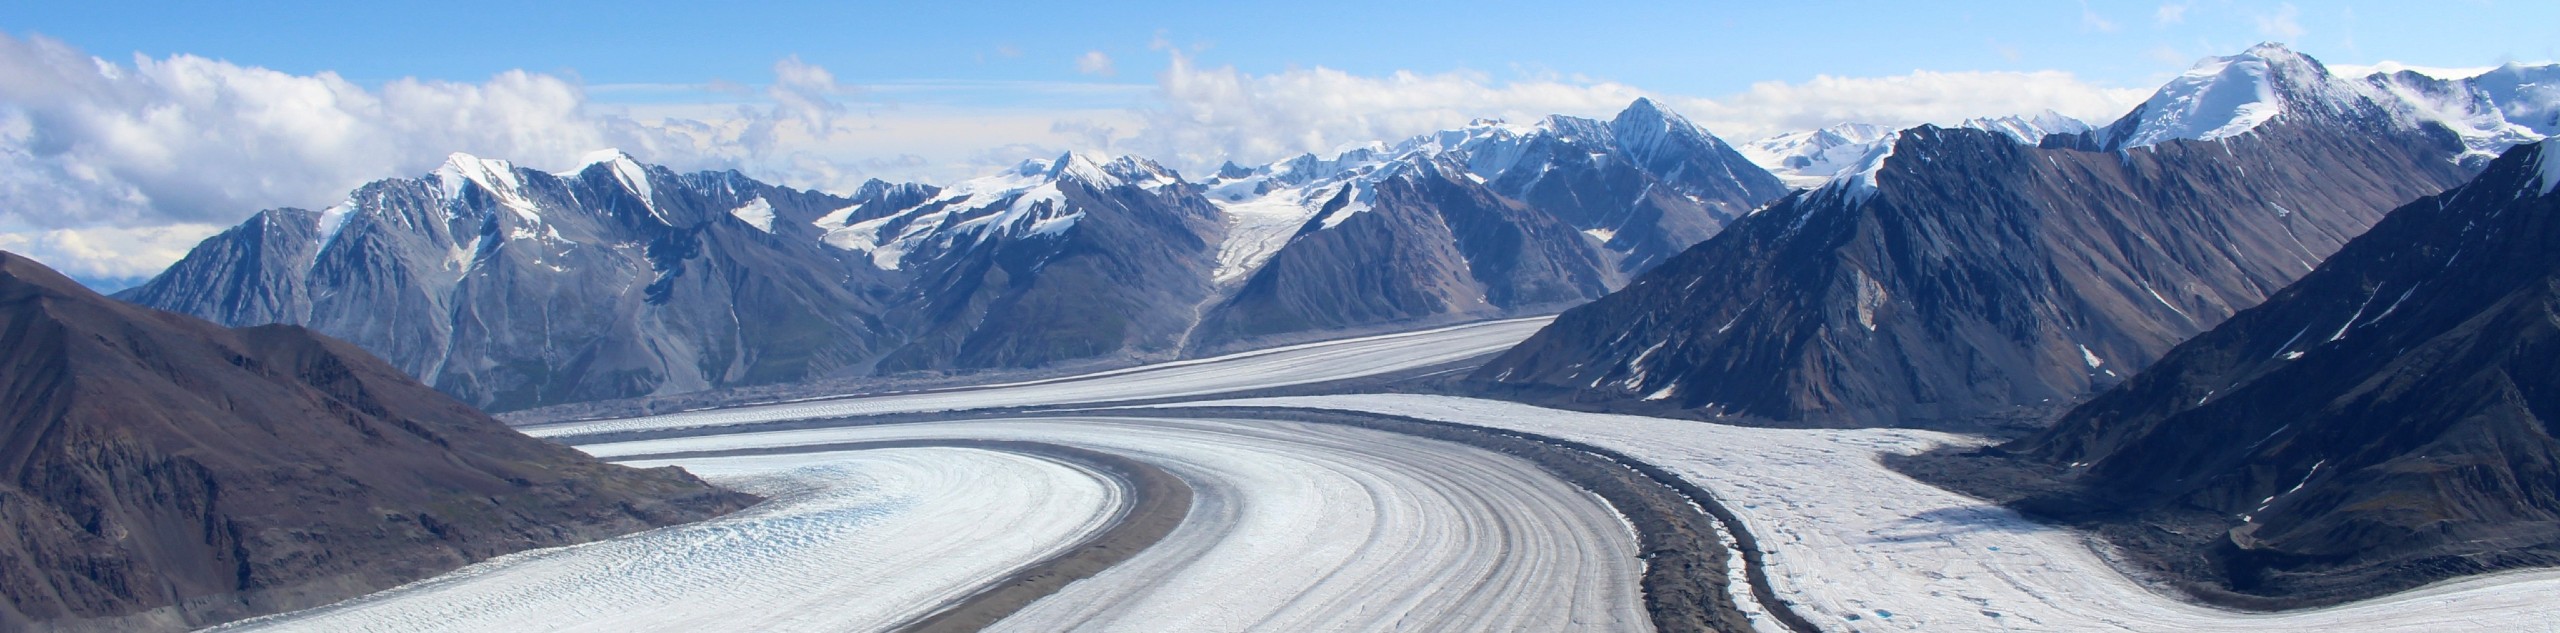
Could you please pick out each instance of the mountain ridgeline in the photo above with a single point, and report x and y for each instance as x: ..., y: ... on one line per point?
x: 1961, y: 276
x: 164, y: 473
x: 2387, y: 421
x: 510, y: 287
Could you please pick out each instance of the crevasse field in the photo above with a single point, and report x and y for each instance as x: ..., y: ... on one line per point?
x: 1312, y: 527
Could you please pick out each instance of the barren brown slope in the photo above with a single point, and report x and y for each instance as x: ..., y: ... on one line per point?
x: 158, y: 472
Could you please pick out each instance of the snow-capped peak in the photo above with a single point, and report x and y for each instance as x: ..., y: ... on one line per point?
x: 1858, y: 180
x: 1643, y: 116
x: 1810, y: 158
x: 2029, y: 130
x: 606, y: 155
x: 1078, y: 167
x: 2222, y: 97
x: 627, y: 170
x: 1644, y: 129
x: 1024, y: 201
x: 496, y: 177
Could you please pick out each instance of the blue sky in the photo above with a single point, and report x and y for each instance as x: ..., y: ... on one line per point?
x: 129, y: 130
x: 1695, y: 48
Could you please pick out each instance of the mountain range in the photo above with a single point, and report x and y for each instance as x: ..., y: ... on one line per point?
x: 510, y: 287
x: 2295, y: 325
x: 1962, y: 276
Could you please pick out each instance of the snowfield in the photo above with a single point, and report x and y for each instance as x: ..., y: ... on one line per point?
x: 1261, y: 369
x: 1856, y: 546
x: 847, y: 541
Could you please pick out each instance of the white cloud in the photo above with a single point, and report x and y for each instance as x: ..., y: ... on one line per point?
x: 1208, y: 115
x: 2168, y: 14
x: 109, y: 253
x: 109, y: 169
x: 89, y: 146
x: 1095, y: 63
x: 1910, y: 99
x: 2284, y: 25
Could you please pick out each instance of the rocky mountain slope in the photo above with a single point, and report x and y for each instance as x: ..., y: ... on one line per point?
x: 1960, y: 275
x: 510, y: 287
x: 2386, y: 421
x: 164, y: 473
x: 1483, y: 221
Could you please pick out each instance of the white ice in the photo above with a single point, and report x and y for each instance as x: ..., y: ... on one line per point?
x: 1849, y: 540
x: 1275, y: 367
x: 756, y: 213
x: 1315, y: 527
x: 847, y: 541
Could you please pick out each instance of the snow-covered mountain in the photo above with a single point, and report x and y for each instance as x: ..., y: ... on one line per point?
x: 1488, y: 219
x: 511, y: 287
x: 2029, y: 129
x: 1810, y: 158
x: 1807, y: 159
x: 1051, y: 261
x: 1960, y: 273
x: 2506, y: 106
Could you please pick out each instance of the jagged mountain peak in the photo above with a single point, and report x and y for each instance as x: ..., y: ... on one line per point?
x: 497, y: 176
x: 1645, y: 108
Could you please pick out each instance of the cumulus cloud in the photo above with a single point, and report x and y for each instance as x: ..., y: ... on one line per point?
x: 1095, y: 63
x: 1918, y: 97
x: 111, y: 169
x: 96, y: 152
x: 110, y: 256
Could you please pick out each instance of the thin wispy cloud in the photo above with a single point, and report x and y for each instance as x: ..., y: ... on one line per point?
x: 2284, y: 24
x: 1095, y: 63
x: 2169, y: 14
x: 2091, y: 21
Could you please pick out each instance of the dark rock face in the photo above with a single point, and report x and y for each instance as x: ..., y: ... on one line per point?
x: 165, y: 473
x: 1967, y: 275
x: 2384, y: 422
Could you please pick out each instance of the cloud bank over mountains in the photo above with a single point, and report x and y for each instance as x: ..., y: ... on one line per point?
x: 112, y: 169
